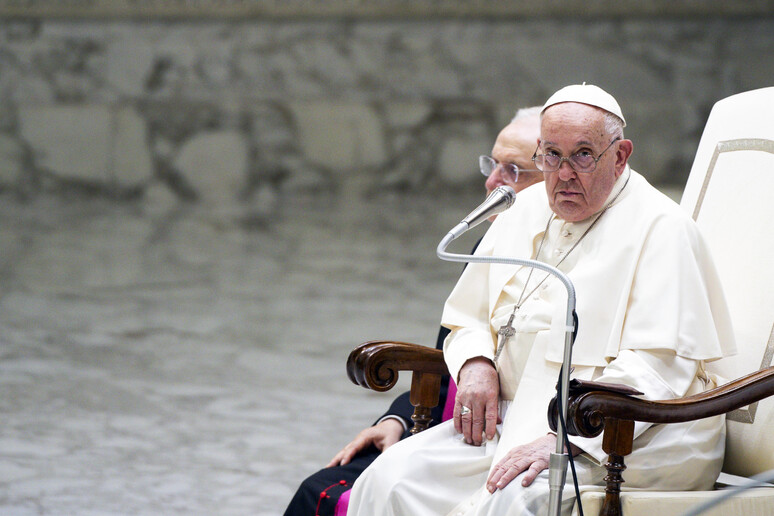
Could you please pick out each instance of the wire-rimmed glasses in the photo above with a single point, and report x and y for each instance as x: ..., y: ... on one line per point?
x: 582, y: 162
x: 487, y: 165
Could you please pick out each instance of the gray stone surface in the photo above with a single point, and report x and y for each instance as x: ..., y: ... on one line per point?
x: 13, y: 156
x: 458, y: 157
x: 131, y: 162
x: 378, y: 8
x: 214, y: 163
x: 342, y: 137
x: 112, y: 101
x: 73, y: 142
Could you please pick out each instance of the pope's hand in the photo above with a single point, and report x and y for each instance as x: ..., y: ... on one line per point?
x: 530, y: 458
x: 383, y: 435
x: 478, y: 390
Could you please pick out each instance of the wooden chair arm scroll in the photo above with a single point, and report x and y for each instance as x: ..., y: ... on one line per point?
x: 375, y: 365
x: 592, y: 411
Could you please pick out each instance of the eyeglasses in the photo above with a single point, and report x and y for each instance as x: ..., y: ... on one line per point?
x: 488, y: 165
x: 582, y: 162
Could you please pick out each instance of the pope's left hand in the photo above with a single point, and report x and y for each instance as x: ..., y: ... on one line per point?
x: 529, y: 459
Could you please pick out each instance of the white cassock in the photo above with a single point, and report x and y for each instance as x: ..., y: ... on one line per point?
x: 651, y: 313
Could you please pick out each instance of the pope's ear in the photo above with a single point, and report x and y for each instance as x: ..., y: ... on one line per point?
x: 625, y: 148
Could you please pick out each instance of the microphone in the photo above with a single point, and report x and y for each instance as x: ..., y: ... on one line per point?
x: 498, y: 201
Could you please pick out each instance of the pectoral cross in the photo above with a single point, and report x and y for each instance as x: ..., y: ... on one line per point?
x: 505, y: 333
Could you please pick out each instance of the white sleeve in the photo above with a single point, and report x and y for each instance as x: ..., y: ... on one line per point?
x: 660, y: 375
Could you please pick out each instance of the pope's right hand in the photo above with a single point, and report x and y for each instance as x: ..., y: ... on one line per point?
x: 478, y: 390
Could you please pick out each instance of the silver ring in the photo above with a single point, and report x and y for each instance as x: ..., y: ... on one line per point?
x: 464, y: 410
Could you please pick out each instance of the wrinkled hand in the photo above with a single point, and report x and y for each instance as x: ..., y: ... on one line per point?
x: 532, y: 458
x: 478, y: 389
x: 383, y: 435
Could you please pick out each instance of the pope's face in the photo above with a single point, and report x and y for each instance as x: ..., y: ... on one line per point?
x: 569, y: 128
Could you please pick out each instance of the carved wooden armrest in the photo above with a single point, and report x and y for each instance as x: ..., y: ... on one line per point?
x: 375, y: 365
x: 591, y: 411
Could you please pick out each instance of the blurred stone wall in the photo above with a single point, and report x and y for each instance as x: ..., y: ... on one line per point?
x: 241, y: 109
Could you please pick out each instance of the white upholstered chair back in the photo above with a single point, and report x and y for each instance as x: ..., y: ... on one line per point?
x: 730, y: 193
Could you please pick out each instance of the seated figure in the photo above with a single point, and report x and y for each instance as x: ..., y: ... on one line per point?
x: 320, y: 493
x: 651, y: 314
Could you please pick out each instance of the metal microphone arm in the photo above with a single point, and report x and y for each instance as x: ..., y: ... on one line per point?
x: 557, y: 473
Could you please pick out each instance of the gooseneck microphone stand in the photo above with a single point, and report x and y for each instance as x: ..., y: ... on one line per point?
x: 558, y: 462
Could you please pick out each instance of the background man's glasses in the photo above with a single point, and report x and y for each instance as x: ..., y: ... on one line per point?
x: 488, y: 165
x: 582, y: 162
